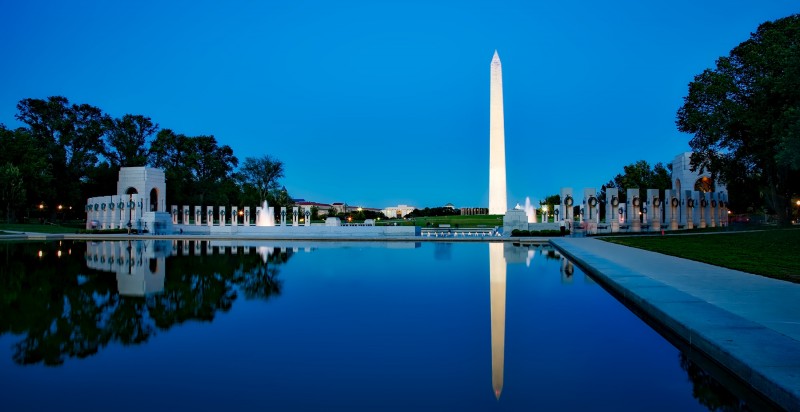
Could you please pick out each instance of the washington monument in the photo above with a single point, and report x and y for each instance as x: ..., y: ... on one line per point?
x: 497, y: 142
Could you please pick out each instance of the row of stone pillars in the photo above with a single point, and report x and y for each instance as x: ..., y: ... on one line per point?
x: 236, y: 218
x: 689, y: 209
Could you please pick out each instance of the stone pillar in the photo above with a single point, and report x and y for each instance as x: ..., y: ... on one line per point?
x: 222, y: 218
x: 565, y: 207
x: 198, y: 215
x: 703, y: 210
x: 307, y: 213
x: 723, y: 208
x: 613, y: 208
x: 234, y: 215
x: 283, y: 216
x: 185, y: 215
x: 210, y: 215
x: 654, y: 198
x: 295, y: 212
x: 174, y: 214
x: 633, y: 206
x: 674, y: 209
x: 247, y: 216
x: 712, y: 209
x: 258, y: 215
x: 590, y: 215
x: 122, y: 215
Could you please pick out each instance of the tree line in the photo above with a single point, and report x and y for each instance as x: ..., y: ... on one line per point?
x: 68, y: 152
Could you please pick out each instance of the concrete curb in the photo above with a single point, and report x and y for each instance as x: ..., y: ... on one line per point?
x: 761, y: 357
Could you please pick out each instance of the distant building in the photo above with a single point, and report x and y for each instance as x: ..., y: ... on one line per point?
x: 397, y: 211
x: 322, y: 208
x: 450, y: 206
x: 468, y: 211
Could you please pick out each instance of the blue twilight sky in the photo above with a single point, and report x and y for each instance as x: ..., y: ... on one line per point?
x: 378, y: 103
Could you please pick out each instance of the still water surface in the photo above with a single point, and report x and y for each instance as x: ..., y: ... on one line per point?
x: 185, y: 325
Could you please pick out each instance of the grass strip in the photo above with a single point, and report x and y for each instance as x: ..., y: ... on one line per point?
x: 771, y: 253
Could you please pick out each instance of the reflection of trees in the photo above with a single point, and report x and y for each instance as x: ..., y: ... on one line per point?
x: 63, y: 310
x: 707, y: 390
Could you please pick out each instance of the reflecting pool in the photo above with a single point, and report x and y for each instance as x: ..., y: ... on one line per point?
x: 212, y: 325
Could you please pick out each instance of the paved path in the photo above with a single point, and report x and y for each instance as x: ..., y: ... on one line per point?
x: 748, y: 323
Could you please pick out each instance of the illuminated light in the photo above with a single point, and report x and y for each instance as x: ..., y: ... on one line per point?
x: 41, y: 206
x: 58, y: 253
x: 797, y: 203
x: 60, y: 207
x: 241, y: 213
x: 41, y: 254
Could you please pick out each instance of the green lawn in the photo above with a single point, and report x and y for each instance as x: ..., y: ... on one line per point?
x: 489, y: 221
x: 773, y: 253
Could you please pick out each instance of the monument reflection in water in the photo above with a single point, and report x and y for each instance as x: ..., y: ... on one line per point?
x: 269, y: 327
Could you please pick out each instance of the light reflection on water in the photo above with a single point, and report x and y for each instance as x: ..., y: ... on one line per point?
x: 356, y: 326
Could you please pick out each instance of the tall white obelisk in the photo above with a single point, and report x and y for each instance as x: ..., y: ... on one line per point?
x: 497, y: 142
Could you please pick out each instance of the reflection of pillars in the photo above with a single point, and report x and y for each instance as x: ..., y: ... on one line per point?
x: 295, y: 212
x: 185, y: 248
x: 497, y: 293
x: 283, y: 216
x: 209, y: 248
x: 197, y: 248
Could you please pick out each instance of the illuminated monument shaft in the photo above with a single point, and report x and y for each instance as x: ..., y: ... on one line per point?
x: 497, y: 142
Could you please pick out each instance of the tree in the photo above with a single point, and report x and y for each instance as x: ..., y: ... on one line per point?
x: 262, y: 173
x: 641, y: 175
x: 12, y: 191
x: 21, y: 150
x: 127, y: 140
x: 745, y: 115
x: 211, y: 166
x: 170, y: 152
x: 71, y: 136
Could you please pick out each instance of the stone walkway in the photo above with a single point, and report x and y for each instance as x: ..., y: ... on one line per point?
x: 748, y: 323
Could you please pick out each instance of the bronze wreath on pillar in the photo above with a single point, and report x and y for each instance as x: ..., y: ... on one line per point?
x: 675, y: 202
